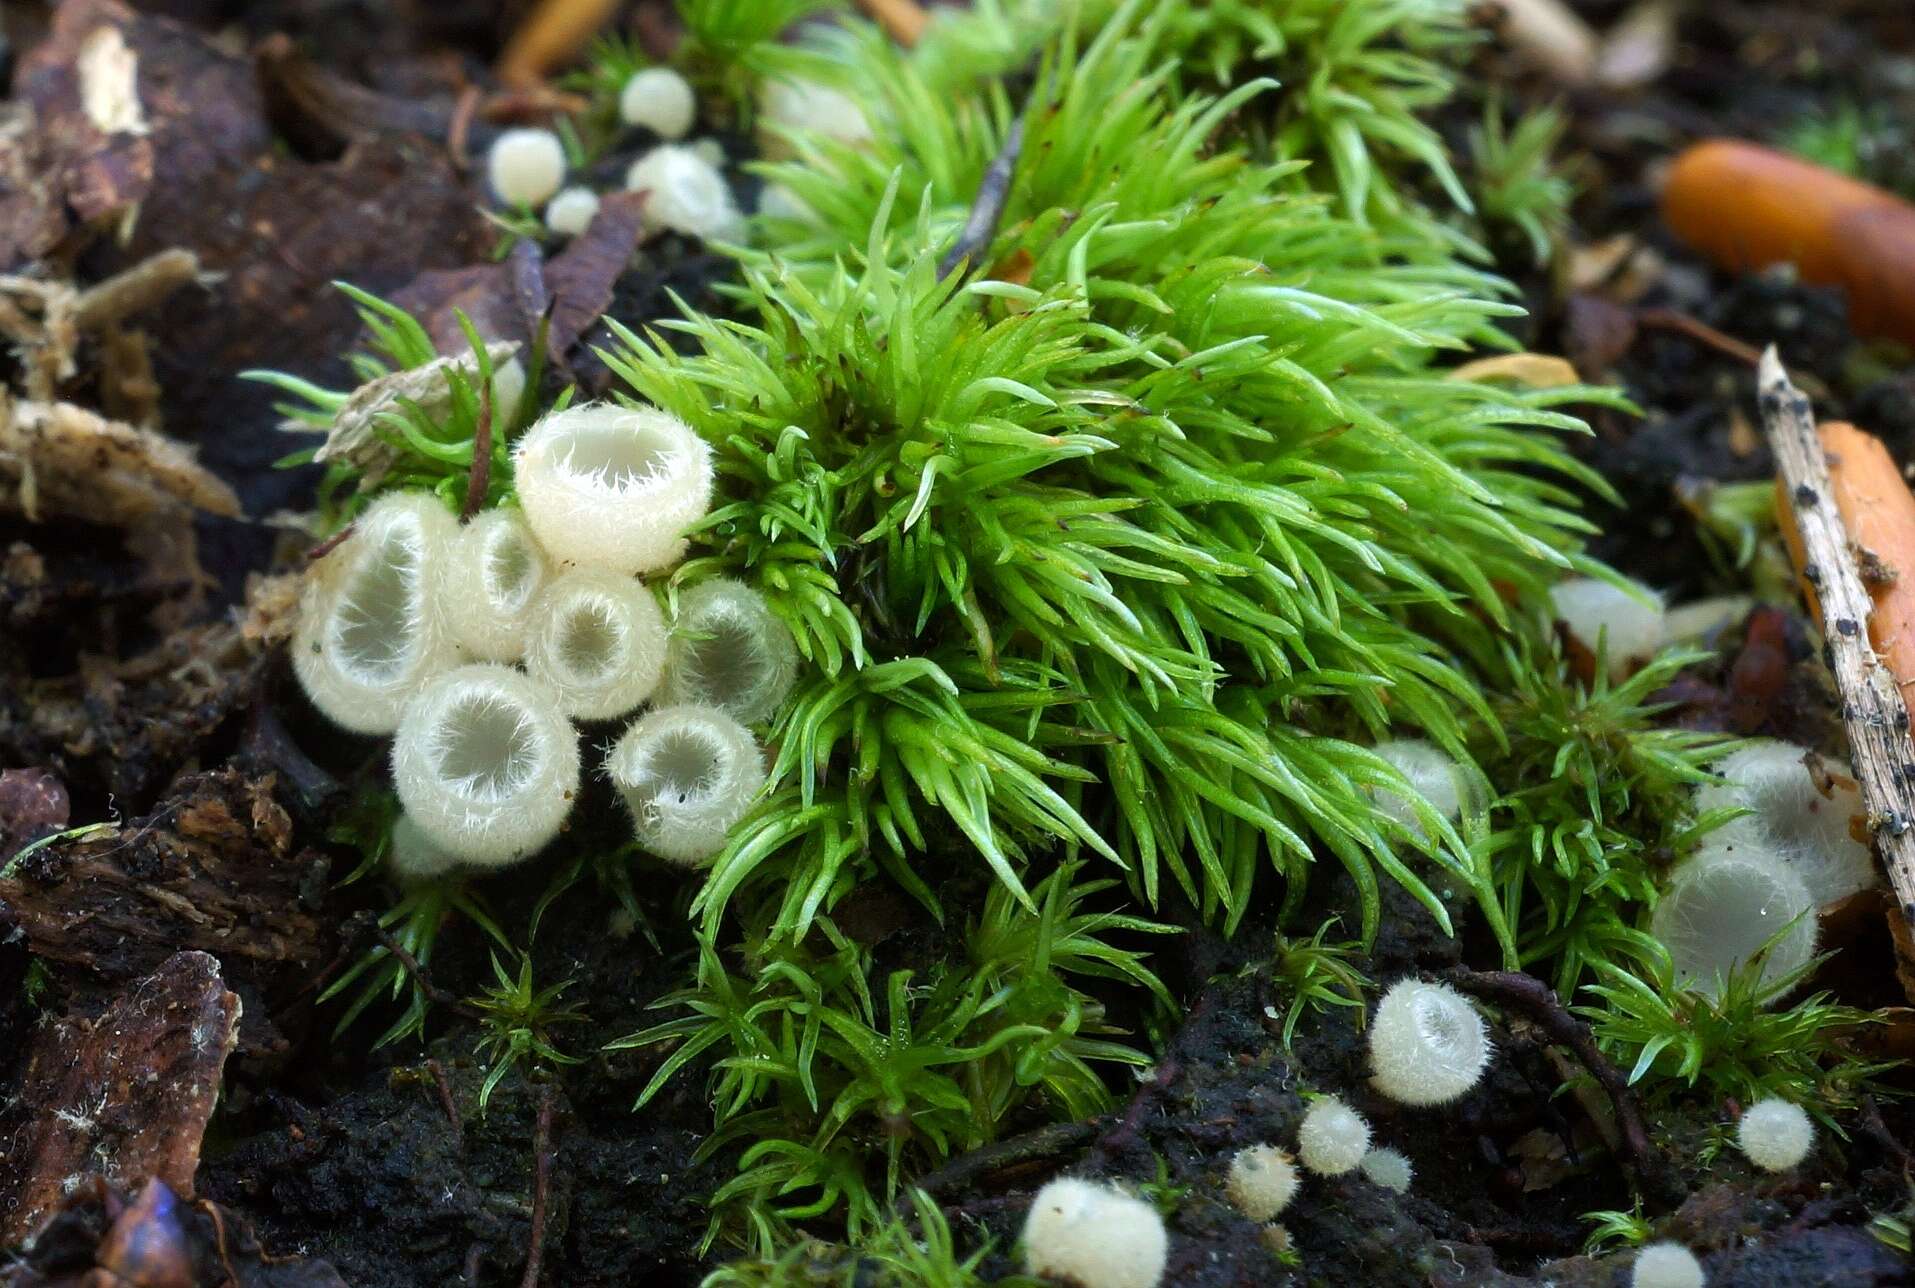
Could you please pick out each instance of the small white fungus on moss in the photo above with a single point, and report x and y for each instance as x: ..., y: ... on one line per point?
x: 1388, y: 1168
x: 1430, y: 771
x: 660, y: 100
x: 1721, y: 909
x: 1427, y: 1043
x: 525, y: 166
x: 494, y: 571
x: 598, y: 640
x: 685, y: 193
x: 413, y: 856
x: 729, y: 650
x: 687, y: 774
x: 1628, y: 625
x: 1806, y: 810
x: 1333, y: 1138
x: 572, y: 211
x: 1095, y: 1236
x: 1262, y: 1181
x: 807, y: 107
x: 1666, y: 1265
x: 1775, y: 1134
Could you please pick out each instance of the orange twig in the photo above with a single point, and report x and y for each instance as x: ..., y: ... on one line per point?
x: 551, y: 36
x: 902, y: 20
x: 1845, y: 529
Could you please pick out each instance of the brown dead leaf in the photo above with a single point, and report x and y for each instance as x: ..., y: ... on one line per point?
x: 582, y: 277
x: 1533, y: 370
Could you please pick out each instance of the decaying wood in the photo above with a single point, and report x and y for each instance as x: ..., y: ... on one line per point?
x: 1872, y: 708
x: 127, y: 1095
x: 45, y: 320
x: 58, y: 458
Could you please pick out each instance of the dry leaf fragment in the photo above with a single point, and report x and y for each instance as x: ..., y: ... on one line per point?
x: 1534, y: 370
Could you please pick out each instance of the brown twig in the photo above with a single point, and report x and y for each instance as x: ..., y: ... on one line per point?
x: 1538, y: 1003
x: 551, y: 35
x: 1723, y: 343
x: 330, y: 544
x: 903, y: 20
x: 479, y: 480
x: 1872, y: 707
x: 447, y: 1103
x: 1043, y: 1143
x: 541, y: 1187
x: 367, y: 923
x: 988, y: 209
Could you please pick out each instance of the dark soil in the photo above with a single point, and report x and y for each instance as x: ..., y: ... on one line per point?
x: 131, y: 694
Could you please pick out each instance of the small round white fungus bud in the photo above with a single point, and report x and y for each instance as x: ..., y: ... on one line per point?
x: 571, y: 212
x: 1427, y: 1044
x: 1775, y: 1134
x: 525, y: 166
x: 493, y: 573
x: 660, y: 100
x: 413, y: 856
x: 1388, y: 1169
x: 1666, y: 1265
x: 687, y: 774
x: 485, y: 764
x: 805, y: 106
x: 370, y: 629
x: 1262, y: 1181
x: 1333, y: 1138
x: 1094, y: 1236
x: 730, y: 651
x: 613, y: 487
x: 598, y: 640
x: 1630, y: 626
x: 775, y: 201
x: 1807, y: 818
x: 685, y: 193
x: 1430, y: 771
x: 1721, y: 908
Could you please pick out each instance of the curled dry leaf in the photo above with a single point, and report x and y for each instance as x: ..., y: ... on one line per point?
x: 353, y: 436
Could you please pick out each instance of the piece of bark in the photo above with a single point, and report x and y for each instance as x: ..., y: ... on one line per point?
x: 212, y: 868
x: 57, y: 458
x: 33, y: 803
x: 127, y: 1095
x: 1873, y: 707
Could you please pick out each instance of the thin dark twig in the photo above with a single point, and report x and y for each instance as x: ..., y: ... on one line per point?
x: 1045, y: 1142
x: 446, y: 1102
x: 1538, y: 1003
x: 541, y: 1187
x: 366, y: 923
x: 988, y: 210
x: 480, y: 479
x: 331, y: 543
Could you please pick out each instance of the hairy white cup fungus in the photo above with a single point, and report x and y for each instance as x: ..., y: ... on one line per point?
x: 1775, y: 1134
x: 1719, y: 910
x: 1262, y: 1181
x: 686, y: 194
x: 660, y: 100
x: 1430, y: 771
x: 1630, y: 626
x: 613, y: 487
x: 1388, y: 1169
x: 1666, y: 1265
x: 598, y: 640
x: 1095, y: 1236
x: 571, y: 212
x: 1333, y: 1138
x: 370, y: 629
x: 1806, y: 811
x: 485, y: 764
x: 413, y: 856
x: 525, y: 166
x: 806, y: 106
x: 1427, y: 1044
x: 729, y: 650
x: 687, y: 774
x: 493, y: 572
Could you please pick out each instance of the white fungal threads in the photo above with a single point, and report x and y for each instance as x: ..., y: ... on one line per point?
x: 571, y: 212
x: 485, y: 764
x: 1721, y: 908
x: 686, y: 194
x: 1388, y: 1169
x: 1427, y: 1044
x: 730, y: 651
x: 495, y: 569
x: 1806, y: 816
x: 597, y: 640
x: 613, y: 487
x: 1630, y: 626
x: 1666, y: 1265
x: 370, y: 632
x: 1094, y: 1236
x: 1333, y: 1137
x: 1430, y: 771
x: 413, y: 856
x: 658, y: 99
x: 687, y: 774
x: 525, y: 167
x: 1262, y: 1181
x: 1775, y: 1135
